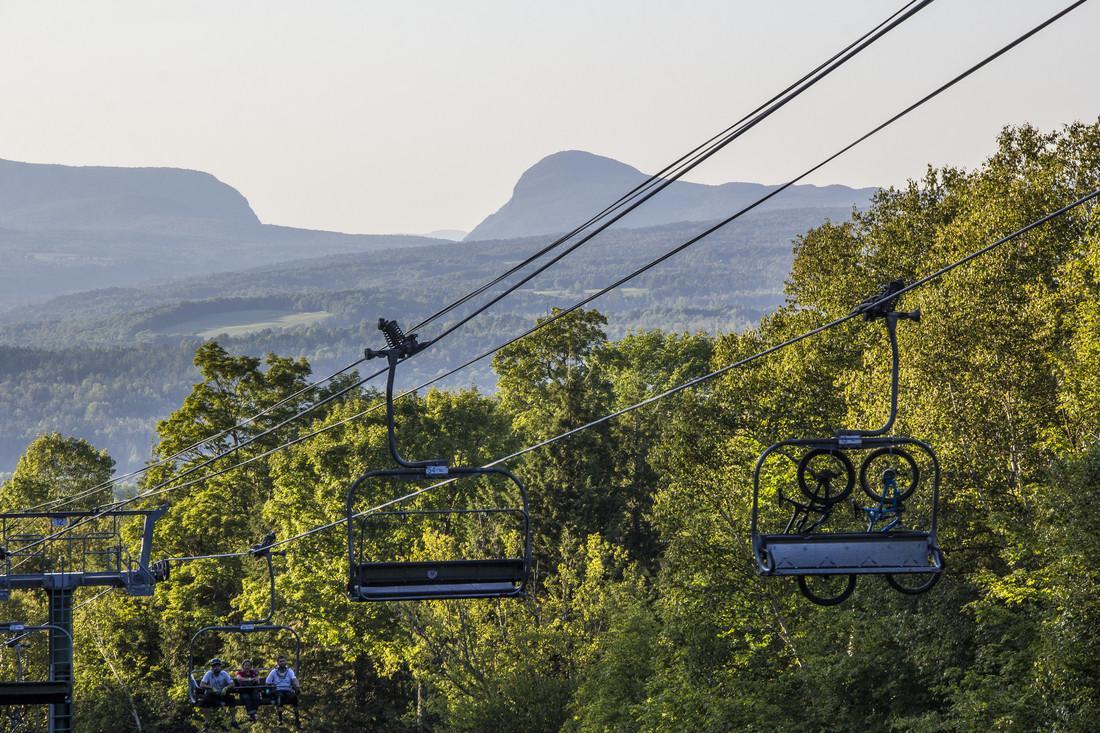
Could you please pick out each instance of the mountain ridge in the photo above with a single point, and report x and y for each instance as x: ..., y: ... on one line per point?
x: 54, y: 196
x: 564, y: 188
x: 65, y: 228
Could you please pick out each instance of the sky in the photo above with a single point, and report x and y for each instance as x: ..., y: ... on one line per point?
x: 380, y: 117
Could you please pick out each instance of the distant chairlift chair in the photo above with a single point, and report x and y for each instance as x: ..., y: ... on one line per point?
x: 33, y: 692
x: 393, y: 580
x: 268, y: 695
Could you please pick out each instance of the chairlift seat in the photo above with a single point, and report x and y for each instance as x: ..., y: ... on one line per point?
x: 268, y: 695
x: 426, y: 580
x: 848, y: 553
x: 35, y: 693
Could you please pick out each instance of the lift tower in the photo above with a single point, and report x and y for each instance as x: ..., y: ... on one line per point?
x: 58, y: 552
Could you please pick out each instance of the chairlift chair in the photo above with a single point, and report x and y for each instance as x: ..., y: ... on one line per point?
x: 32, y: 692
x: 909, y: 559
x: 371, y: 579
x: 268, y: 696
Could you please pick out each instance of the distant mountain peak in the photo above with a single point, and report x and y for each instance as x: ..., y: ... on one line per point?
x: 50, y: 196
x: 576, y: 165
x: 566, y: 188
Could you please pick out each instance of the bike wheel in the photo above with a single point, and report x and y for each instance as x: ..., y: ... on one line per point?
x: 823, y: 465
x: 913, y: 584
x: 904, y: 467
x: 827, y: 590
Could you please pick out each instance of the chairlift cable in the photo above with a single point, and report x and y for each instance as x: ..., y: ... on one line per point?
x: 691, y: 382
x: 656, y: 177
x: 618, y: 283
x: 60, y: 502
x: 697, y: 160
x: 101, y: 512
x: 944, y: 87
x: 678, y: 168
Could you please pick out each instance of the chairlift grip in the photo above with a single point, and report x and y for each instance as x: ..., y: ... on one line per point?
x: 402, y: 346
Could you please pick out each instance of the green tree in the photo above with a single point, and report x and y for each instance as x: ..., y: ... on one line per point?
x: 549, y: 383
x: 55, y: 467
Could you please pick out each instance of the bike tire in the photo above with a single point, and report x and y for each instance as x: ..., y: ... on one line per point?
x: 842, y: 459
x: 889, y: 451
x: 916, y: 590
x: 826, y: 600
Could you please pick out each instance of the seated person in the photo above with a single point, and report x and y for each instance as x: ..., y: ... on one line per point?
x: 285, y: 683
x: 247, y: 680
x: 214, y: 692
x: 215, y: 686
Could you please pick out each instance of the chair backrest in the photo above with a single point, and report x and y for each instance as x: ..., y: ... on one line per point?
x: 374, y: 579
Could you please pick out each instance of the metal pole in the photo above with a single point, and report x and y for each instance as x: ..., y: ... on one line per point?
x: 61, y: 653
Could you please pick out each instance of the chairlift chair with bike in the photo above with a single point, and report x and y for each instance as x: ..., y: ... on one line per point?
x: 892, y: 470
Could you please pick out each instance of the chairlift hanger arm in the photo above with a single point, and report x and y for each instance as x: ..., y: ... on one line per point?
x: 400, y: 347
x: 266, y: 553
x: 882, y: 306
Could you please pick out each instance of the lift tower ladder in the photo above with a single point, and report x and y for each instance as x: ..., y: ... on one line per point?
x: 90, y: 553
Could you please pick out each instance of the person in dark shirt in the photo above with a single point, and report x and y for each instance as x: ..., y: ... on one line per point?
x: 247, y: 680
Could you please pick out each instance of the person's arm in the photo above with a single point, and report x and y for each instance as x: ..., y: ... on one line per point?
x: 270, y: 678
x: 294, y: 681
x: 205, y: 682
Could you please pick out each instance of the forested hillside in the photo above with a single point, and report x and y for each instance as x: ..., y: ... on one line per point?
x: 108, y: 364
x: 645, y: 612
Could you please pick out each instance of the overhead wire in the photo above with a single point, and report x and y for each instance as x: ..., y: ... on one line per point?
x: 858, y: 312
x: 115, y: 480
x: 653, y: 179
x: 891, y: 120
x: 707, y: 149
x: 627, y: 278
x: 635, y: 198
x: 695, y: 161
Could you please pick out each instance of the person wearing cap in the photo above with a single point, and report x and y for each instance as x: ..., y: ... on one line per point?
x: 215, y: 686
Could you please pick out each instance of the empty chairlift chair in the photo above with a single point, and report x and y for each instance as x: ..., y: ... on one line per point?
x: 371, y: 578
x: 21, y: 691
x: 826, y: 548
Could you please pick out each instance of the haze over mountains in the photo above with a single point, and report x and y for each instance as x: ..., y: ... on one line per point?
x: 111, y: 277
x: 35, y: 196
x: 67, y: 229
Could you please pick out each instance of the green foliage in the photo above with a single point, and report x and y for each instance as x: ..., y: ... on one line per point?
x: 56, y: 467
x: 645, y: 612
x: 110, y: 363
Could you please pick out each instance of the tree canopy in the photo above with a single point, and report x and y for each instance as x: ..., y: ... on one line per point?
x: 645, y: 612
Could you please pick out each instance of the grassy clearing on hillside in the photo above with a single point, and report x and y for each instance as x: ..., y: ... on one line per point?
x: 242, y: 323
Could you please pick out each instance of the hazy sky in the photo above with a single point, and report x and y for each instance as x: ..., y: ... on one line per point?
x: 413, y: 116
